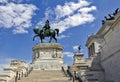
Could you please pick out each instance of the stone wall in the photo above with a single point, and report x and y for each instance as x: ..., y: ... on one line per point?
x: 110, y: 54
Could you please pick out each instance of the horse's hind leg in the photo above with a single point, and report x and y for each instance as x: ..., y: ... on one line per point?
x: 50, y: 39
x: 41, y: 39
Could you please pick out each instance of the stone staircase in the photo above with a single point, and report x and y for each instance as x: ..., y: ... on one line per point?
x: 45, y: 76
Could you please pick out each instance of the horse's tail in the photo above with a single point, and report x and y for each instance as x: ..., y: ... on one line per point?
x: 57, y: 30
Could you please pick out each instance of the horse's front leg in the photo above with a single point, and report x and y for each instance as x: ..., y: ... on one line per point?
x: 55, y: 39
x: 34, y: 37
x: 41, y: 38
x: 50, y: 39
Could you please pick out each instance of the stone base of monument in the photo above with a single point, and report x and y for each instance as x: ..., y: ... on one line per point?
x: 47, y: 56
x: 47, y: 64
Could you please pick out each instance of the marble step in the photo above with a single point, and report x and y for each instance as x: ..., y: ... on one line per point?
x: 45, y: 76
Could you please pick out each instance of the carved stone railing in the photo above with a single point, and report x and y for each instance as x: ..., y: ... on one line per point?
x: 71, y: 75
x: 29, y: 71
x: 64, y: 71
x: 18, y: 75
x: 78, y: 78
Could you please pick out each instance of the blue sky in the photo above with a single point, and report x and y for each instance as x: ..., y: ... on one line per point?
x: 76, y: 19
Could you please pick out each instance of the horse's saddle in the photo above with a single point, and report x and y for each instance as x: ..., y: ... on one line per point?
x: 47, y: 32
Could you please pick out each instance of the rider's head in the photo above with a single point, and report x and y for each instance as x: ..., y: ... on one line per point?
x: 47, y: 22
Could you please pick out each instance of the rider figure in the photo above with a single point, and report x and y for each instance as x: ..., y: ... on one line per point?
x: 46, y: 27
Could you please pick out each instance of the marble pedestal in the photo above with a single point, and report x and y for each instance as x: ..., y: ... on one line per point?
x: 47, y: 56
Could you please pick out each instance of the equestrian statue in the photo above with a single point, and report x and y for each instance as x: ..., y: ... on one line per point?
x: 46, y: 31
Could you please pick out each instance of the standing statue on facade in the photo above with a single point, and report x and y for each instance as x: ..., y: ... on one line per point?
x: 116, y: 11
x: 46, y: 31
x: 79, y: 48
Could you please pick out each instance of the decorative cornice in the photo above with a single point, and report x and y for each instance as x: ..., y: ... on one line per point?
x: 112, y: 24
x: 108, y: 22
x: 99, y: 34
x: 9, y: 69
x: 92, y: 37
x: 47, y: 46
x: 116, y: 22
x: 4, y: 75
x: 3, y: 80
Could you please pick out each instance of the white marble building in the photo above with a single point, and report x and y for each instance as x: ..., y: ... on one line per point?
x: 103, y: 62
x: 106, y: 42
x: 17, y: 69
x: 110, y: 51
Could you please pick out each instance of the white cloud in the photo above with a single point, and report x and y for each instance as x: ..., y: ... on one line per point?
x: 63, y: 36
x: 72, y: 21
x: 2, y: 66
x: 76, y: 47
x: 16, y: 16
x: 3, y: 1
x: 87, y: 9
x: 70, y: 15
x: 1, y: 69
x: 68, y: 54
x: 18, y: 1
x: 69, y: 8
x: 4, y: 62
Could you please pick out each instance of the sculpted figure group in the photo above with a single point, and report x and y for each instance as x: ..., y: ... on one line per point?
x: 111, y: 16
x: 46, y: 31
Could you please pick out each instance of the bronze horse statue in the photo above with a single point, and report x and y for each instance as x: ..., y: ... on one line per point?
x: 41, y: 33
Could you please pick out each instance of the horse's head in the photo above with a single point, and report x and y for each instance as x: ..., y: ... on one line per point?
x: 36, y: 30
